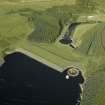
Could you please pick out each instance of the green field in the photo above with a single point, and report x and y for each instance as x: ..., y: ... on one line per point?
x: 36, y: 26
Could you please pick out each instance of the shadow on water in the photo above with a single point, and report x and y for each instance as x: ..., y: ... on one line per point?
x: 24, y: 81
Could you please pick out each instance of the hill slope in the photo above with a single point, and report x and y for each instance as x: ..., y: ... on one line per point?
x: 92, y: 42
x: 17, y: 21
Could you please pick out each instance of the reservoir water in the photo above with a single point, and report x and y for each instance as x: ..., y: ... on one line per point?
x: 25, y: 81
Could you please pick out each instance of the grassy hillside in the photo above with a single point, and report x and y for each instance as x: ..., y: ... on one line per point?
x: 38, y: 5
x: 94, y: 88
x: 89, y: 43
x: 16, y: 23
x: 50, y: 23
x: 13, y: 29
x: 91, y: 40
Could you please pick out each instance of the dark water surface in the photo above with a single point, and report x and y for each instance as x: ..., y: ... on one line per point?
x: 24, y: 81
